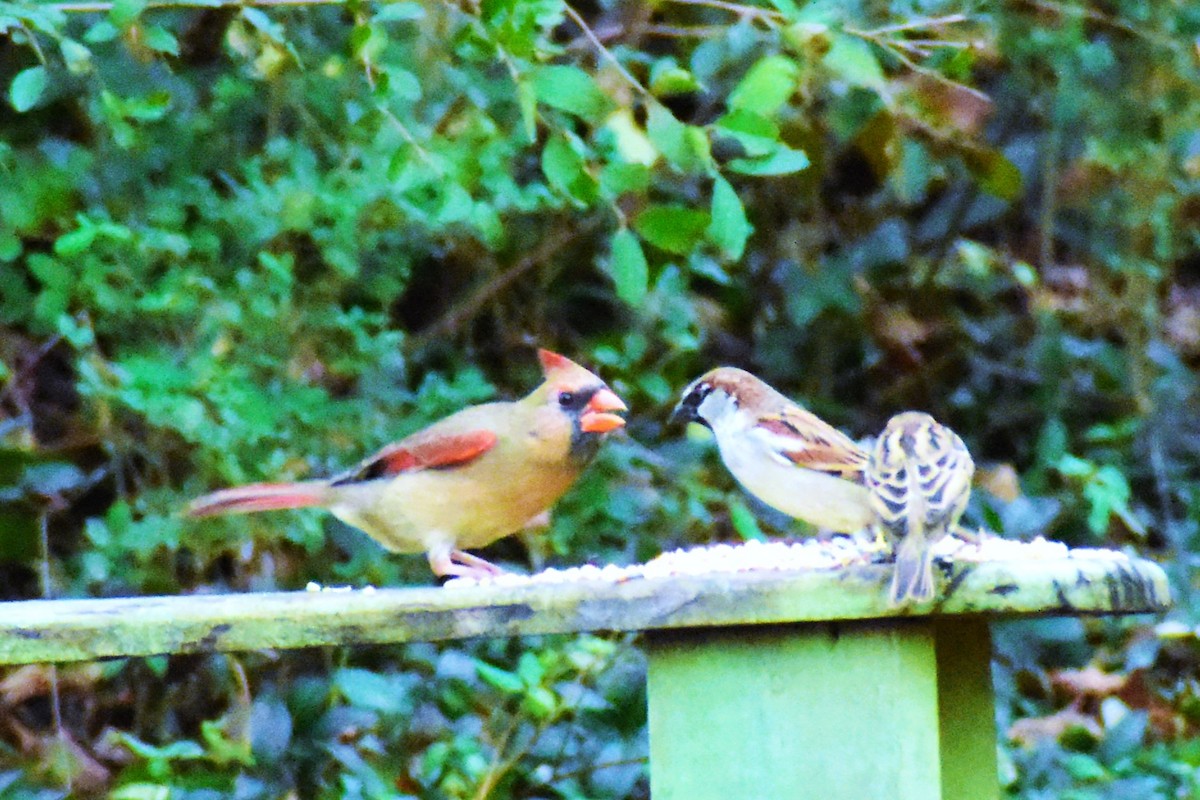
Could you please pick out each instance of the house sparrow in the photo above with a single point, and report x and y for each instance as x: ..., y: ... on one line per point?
x: 478, y: 475
x: 919, y: 475
x: 783, y: 455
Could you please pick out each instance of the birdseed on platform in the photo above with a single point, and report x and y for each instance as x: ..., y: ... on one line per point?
x: 313, y: 586
x: 776, y: 556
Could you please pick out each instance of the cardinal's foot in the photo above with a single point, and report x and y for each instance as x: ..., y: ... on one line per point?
x: 460, y: 564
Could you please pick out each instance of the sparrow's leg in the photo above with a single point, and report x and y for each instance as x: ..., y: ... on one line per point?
x: 879, y: 544
x: 970, y: 537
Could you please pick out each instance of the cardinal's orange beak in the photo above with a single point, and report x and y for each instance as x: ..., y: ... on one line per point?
x: 596, y: 417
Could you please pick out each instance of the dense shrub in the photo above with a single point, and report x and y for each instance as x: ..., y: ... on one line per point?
x: 246, y: 242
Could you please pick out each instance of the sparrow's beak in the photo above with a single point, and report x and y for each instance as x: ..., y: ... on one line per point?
x: 596, y: 414
x: 682, y: 415
x: 688, y: 409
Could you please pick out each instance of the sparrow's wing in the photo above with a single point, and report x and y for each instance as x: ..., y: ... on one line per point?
x: 947, y: 484
x: 422, y: 450
x: 805, y: 440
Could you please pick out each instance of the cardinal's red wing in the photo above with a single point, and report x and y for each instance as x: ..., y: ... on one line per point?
x: 435, y: 451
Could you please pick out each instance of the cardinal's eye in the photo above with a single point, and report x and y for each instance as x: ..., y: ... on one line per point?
x: 566, y: 399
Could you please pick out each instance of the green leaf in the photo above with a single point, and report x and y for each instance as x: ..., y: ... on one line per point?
x: 668, y: 78
x: 565, y: 170
x: 78, y: 336
x: 367, y: 42
x: 853, y: 60
x: 400, y: 12
x: 1084, y: 768
x: 684, y: 146
x: 102, y: 31
x: 505, y: 681
x: 632, y: 144
x: 995, y: 173
x: 161, y: 40
x: 783, y: 161
x: 744, y: 521
x: 540, y: 702
x: 671, y: 227
x: 656, y: 387
x: 530, y: 668
x: 27, y: 88
x: 527, y: 102
x: 72, y: 243
x: 572, y: 90
x: 729, y: 228
x: 141, y: 791
x: 766, y: 87
x: 125, y: 12
x: 363, y: 688
x: 50, y: 271
x: 457, y: 204
x: 401, y: 84
x: 628, y: 267
x: 150, y: 108
x: 10, y: 246
x: 757, y: 135
x: 77, y: 57
x: 617, y: 179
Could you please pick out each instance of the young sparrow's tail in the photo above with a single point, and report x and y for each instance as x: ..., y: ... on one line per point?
x: 259, y: 497
x: 913, y: 578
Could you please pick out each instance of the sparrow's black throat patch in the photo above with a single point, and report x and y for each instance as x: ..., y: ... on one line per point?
x: 688, y: 409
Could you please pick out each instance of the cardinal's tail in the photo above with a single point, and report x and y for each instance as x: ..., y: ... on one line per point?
x: 259, y: 497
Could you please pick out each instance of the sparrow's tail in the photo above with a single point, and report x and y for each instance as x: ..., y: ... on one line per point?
x: 913, y: 578
x: 260, y: 497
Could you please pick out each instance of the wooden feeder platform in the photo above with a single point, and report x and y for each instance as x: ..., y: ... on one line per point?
x: 763, y: 685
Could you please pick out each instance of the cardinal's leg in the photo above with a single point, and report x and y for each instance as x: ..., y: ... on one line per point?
x: 465, y: 559
x: 447, y: 562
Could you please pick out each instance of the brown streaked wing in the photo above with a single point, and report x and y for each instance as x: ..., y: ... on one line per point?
x: 817, y: 444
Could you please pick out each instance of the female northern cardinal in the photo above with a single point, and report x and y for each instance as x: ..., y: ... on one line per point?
x: 465, y: 481
x: 785, y: 456
x: 919, y: 475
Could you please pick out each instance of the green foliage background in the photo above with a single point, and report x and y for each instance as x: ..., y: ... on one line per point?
x: 250, y: 242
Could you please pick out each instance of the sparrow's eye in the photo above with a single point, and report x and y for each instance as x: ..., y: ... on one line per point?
x: 566, y: 399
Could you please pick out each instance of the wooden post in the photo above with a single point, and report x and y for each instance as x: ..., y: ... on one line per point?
x: 849, y: 711
x: 792, y: 712
x: 966, y: 709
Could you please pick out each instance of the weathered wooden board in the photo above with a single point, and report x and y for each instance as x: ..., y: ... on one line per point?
x: 71, y: 630
x: 827, y: 711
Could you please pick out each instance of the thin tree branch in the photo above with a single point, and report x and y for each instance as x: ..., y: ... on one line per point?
x: 897, y: 52
x: 47, y: 594
x: 593, y: 768
x: 604, y: 51
x: 101, y: 6
x: 924, y: 23
x: 468, y: 309
x: 686, y: 31
x: 736, y: 8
